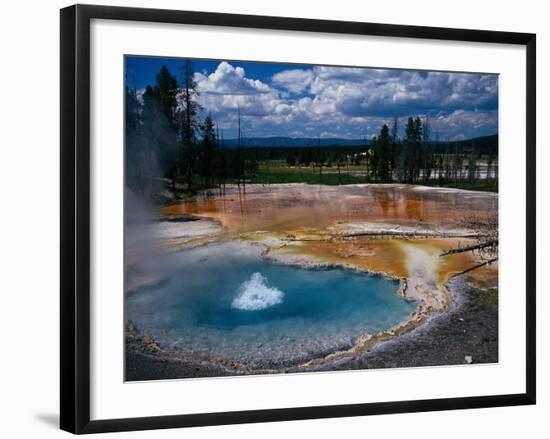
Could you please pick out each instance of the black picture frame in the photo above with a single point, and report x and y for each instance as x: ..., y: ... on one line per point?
x: 75, y: 217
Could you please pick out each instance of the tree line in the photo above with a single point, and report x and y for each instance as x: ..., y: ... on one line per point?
x: 413, y: 159
x: 417, y: 159
x: 168, y: 141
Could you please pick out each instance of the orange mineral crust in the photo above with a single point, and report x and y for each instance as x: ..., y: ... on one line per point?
x: 365, y: 226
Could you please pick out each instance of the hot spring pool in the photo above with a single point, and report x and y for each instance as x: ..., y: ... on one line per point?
x: 224, y: 299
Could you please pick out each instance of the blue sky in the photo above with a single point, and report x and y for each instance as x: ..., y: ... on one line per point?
x: 310, y: 101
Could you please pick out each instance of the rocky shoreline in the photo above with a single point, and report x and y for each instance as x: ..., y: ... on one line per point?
x: 466, y: 333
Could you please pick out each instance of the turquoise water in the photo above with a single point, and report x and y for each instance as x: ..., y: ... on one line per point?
x: 226, y: 300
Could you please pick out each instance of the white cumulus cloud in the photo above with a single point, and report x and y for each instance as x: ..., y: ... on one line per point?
x: 229, y: 80
x: 349, y: 102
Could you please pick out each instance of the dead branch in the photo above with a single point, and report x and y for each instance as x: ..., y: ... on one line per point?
x: 479, y: 246
x: 413, y: 234
x: 396, y: 233
x: 482, y: 264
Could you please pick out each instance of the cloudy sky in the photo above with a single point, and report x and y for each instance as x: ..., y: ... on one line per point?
x: 310, y: 101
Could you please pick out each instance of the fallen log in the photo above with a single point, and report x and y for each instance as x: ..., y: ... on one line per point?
x: 386, y: 233
x: 490, y: 261
x: 472, y: 247
x: 412, y: 234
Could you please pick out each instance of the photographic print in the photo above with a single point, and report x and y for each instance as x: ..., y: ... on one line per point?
x: 284, y: 218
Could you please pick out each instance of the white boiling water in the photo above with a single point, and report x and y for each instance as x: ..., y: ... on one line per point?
x: 255, y: 294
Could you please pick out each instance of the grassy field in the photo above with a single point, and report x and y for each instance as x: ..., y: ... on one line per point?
x: 273, y: 172
x: 277, y: 171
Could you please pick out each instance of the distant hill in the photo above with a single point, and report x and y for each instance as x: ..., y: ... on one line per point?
x: 483, y: 143
x: 280, y: 142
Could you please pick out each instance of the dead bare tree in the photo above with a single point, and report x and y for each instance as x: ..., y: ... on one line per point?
x: 486, y: 245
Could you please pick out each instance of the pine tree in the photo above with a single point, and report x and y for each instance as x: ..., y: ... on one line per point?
x: 188, y: 122
x: 382, y: 154
x: 394, y: 151
x: 410, y: 150
x: 207, y: 150
x: 427, y: 153
x: 166, y: 87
